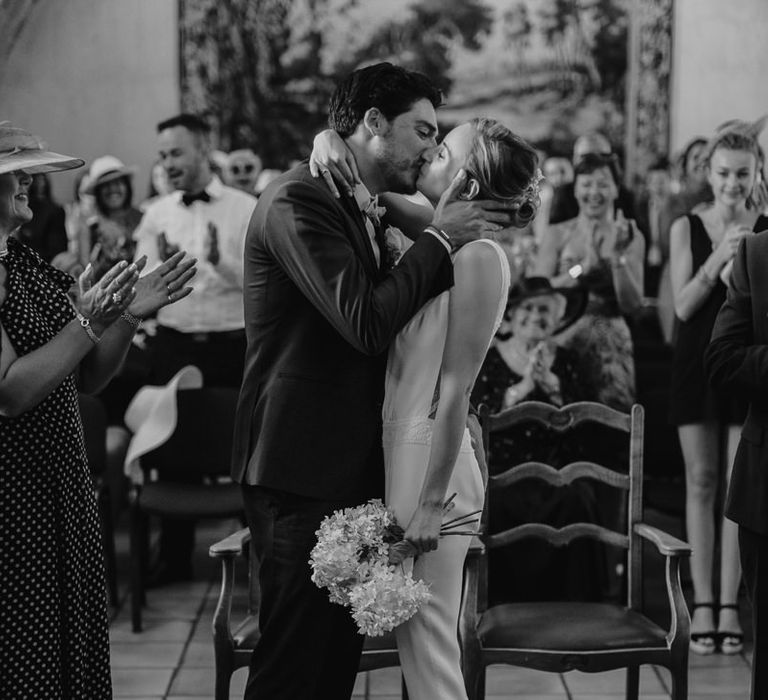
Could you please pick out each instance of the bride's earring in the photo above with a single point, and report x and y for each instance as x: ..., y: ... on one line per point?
x: 471, y: 190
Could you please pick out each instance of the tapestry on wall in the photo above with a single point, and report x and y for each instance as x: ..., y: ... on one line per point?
x: 263, y: 70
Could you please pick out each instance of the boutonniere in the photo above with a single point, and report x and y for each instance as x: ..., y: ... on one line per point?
x: 393, y: 247
x: 373, y: 211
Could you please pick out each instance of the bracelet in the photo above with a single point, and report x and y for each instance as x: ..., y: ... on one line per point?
x: 439, y: 232
x: 704, y: 278
x: 86, y: 325
x: 131, y: 320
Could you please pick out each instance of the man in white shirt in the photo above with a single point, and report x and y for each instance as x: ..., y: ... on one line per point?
x: 209, y: 220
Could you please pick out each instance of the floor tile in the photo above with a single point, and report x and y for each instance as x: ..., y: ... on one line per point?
x: 610, y: 682
x: 500, y: 680
x: 145, y: 682
x: 146, y: 654
x: 199, y: 655
x: 153, y: 631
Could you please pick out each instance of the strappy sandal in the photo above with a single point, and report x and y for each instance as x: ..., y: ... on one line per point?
x: 730, y: 642
x: 704, y: 643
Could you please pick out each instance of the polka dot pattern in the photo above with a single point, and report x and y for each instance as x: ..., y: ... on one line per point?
x: 54, y: 629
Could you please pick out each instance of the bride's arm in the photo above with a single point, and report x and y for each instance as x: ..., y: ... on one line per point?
x: 473, y: 305
x: 409, y: 216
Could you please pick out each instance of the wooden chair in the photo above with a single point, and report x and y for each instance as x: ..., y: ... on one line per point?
x: 94, y: 417
x: 233, y: 646
x: 186, y: 477
x: 587, y: 636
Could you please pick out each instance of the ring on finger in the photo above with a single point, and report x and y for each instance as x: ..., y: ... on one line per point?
x: 117, y: 298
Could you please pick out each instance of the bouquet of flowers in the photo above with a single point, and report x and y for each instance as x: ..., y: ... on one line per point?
x: 352, y: 560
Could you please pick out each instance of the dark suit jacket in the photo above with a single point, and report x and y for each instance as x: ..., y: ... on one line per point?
x: 319, y: 316
x: 737, y: 361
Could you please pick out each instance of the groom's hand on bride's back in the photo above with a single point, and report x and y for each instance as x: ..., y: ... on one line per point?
x: 465, y: 220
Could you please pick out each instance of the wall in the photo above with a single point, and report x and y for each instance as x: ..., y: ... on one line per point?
x: 720, y: 65
x: 94, y: 77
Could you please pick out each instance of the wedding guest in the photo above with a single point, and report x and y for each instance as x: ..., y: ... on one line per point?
x: 650, y: 207
x: 210, y: 220
x: 702, y: 247
x: 603, y: 252
x: 694, y: 186
x: 108, y: 237
x: 159, y: 186
x: 525, y: 363
x: 46, y: 233
x: 54, y: 340
x: 557, y: 171
x: 241, y: 170
x: 735, y: 364
x: 564, y: 205
x: 77, y: 213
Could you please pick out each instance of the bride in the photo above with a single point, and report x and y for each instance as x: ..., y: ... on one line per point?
x: 431, y: 368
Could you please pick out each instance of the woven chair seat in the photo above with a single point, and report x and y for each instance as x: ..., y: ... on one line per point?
x: 191, y: 500
x: 568, y: 626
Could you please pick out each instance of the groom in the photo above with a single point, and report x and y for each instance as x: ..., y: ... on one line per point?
x: 320, y: 312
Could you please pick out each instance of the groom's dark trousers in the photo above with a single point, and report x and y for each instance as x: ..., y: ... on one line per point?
x: 737, y: 362
x: 319, y: 316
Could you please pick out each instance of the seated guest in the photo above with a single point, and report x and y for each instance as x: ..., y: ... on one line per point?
x: 525, y: 364
x: 564, y: 205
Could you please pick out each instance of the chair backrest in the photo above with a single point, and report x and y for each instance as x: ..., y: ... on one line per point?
x: 628, y: 483
x: 201, y: 444
x: 94, y: 417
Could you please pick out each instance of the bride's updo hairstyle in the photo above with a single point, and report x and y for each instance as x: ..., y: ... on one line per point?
x: 505, y: 167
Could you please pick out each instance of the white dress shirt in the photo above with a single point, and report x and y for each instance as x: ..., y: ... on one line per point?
x: 216, y: 304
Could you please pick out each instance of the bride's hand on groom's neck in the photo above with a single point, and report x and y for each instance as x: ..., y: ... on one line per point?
x: 467, y: 219
x: 332, y: 160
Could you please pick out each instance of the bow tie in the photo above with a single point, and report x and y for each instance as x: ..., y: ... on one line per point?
x: 188, y: 197
x: 373, y: 211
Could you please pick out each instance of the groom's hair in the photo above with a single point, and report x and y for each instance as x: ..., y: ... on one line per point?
x: 390, y: 89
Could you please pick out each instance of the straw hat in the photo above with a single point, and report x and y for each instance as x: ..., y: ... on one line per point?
x: 20, y: 150
x: 105, y: 169
x: 528, y: 287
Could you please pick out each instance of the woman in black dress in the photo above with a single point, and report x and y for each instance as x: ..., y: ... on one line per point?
x: 53, y: 340
x: 701, y: 248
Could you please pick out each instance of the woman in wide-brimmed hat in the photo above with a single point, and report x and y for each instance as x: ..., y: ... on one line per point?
x: 108, y: 237
x: 56, y: 337
x: 526, y: 364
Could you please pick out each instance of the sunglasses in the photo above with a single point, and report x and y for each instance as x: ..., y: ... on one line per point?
x: 246, y: 169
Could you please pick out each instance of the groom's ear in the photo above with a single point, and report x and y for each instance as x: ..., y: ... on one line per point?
x: 471, y: 189
x: 374, y: 121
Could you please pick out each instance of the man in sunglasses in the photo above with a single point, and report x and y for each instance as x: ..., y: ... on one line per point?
x: 242, y: 169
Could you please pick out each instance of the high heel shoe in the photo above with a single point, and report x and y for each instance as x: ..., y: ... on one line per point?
x: 704, y: 643
x: 730, y: 642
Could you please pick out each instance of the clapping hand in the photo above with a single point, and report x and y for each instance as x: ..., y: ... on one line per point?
x: 103, y: 302
x: 165, y: 285
x: 623, y: 233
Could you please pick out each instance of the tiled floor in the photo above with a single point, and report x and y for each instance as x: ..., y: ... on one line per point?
x: 172, y: 659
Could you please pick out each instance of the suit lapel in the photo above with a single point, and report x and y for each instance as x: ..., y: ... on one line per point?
x: 360, y: 238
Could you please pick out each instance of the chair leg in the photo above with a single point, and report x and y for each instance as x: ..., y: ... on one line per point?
x: 223, y: 678
x: 108, y: 537
x: 679, y: 676
x: 137, y: 574
x: 633, y: 682
x: 403, y: 688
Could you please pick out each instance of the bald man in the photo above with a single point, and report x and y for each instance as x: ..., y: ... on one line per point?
x: 564, y: 206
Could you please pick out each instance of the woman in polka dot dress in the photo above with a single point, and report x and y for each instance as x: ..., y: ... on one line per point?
x: 54, y: 641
